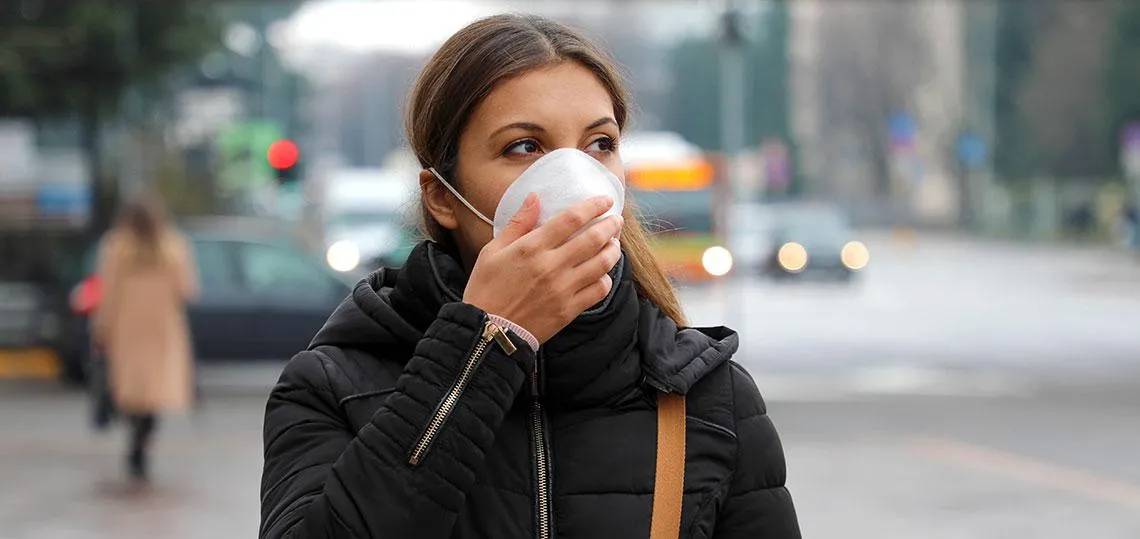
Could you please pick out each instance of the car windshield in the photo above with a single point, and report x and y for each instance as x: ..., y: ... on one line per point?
x: 814, y: 226
x: 677, y: 211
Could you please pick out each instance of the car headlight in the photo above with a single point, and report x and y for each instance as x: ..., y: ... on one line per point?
x: 717, y: 261
x: 855, y: 255
x: 343, y: 255
x: 792, y: 257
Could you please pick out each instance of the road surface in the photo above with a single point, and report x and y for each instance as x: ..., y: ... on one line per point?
x: 941, y: 312
x: 961, y: 390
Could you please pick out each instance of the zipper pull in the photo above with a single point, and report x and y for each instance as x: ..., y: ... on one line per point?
x: 496, y: 333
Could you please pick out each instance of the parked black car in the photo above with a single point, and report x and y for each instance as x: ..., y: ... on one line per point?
x: 262, y: 294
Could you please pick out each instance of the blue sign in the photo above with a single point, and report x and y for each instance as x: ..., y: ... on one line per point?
x: 902, y: 128
x: 63, y: 201
x: 972, y: 150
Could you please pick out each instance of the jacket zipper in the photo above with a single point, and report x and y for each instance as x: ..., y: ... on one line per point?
x: 541, y: 456
x: 491, y: 333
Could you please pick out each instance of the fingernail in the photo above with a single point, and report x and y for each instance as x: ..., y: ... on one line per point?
x: 529, y: 201
x: 605, y: 199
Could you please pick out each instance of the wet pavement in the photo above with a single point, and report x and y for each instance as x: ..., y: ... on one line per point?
x: 62, y: 480
x: 1059, y: 463
x: 959, y: 391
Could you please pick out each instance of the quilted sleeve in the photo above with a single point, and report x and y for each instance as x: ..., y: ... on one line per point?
x: 403, y: 474
x: 759, y: 505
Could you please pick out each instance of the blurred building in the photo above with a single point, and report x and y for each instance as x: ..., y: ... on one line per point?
x: 853, y: 67
x: 361, y: 88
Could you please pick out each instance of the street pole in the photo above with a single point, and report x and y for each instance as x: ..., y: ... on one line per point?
x: 732, y: 96
x: 368, y: 104
x: 980, y: 41
x: 732, y: 129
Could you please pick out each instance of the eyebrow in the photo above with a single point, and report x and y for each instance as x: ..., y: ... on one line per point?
x: 530, y: 126
x: 600, y: 122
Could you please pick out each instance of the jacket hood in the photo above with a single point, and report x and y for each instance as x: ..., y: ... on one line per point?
x: 366, y: 319
x: 623, y: 341
x: 681, y: 356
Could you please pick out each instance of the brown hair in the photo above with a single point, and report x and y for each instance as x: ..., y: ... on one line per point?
x: 142, y: 223
x: 465, y: 70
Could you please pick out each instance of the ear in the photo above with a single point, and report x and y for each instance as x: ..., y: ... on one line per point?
x: 438, y: 201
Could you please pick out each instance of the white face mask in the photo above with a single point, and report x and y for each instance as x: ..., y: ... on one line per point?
x: 561, y: 179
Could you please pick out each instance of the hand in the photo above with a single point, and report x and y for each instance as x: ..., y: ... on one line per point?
x: 543, y: 278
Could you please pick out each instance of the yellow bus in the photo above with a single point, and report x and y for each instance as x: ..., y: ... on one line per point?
x: 673, y: 182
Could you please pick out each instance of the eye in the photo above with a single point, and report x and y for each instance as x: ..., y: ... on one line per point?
x: 522, y: 148
x: 602, y: 145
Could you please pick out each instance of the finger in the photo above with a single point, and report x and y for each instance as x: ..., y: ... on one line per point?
x: 555, y: 232
x: 523, y: 222
x: 587, y: 244
x: 592, y: 293
x: 598, y: 265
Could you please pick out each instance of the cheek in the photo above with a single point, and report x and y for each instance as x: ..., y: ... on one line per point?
x: 616, y: 166
x: 618, y: 171
x: 614, y: 162
x: 474, y: 235
x: 484, y: 186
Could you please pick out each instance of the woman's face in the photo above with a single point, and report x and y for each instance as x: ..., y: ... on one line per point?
x: 561, y: 106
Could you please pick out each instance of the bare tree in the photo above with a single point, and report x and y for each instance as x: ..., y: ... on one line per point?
x: 873, y: 58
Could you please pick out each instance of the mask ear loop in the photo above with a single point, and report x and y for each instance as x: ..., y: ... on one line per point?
x: 445, y: 183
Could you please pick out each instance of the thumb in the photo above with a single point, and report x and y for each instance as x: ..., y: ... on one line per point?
x: 523, y: 222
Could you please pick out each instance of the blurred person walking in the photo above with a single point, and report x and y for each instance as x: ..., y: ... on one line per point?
x: 147, y: 272
x: 531, y: 374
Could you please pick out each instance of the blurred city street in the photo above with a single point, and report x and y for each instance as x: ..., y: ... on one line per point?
x: 936, y: 308
x: 961, y: 390
x: 922, y: 218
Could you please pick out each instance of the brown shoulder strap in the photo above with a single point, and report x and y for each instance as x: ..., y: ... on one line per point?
x: 670, y: 479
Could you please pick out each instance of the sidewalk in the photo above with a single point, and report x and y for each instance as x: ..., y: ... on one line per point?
x: 63, y: 481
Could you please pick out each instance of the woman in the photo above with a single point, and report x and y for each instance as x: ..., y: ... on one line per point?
x: 505, y: 385
x: 147, y: 274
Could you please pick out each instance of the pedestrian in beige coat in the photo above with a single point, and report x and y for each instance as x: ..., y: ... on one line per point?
x: 147, y: 269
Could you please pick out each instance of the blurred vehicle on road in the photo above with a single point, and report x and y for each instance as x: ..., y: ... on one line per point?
x: 749, y: 236
x: 809, y: 240
x: 263, y: 295
x: 33, y: 298
x: 363, y: 215
x: 30, y: 324
x: 673, y: 183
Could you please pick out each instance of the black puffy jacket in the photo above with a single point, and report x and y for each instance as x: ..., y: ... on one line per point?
x: 404, y: 420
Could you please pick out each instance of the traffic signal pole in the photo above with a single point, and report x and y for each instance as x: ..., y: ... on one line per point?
x: 732, y: 133
x: 732, y: 96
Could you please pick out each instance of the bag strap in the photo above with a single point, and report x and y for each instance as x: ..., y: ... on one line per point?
x: 669, y: 483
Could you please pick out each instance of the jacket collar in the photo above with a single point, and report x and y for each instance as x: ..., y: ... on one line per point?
x: 600, y: 358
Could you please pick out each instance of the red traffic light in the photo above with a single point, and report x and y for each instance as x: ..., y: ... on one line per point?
x: 283, y: 154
